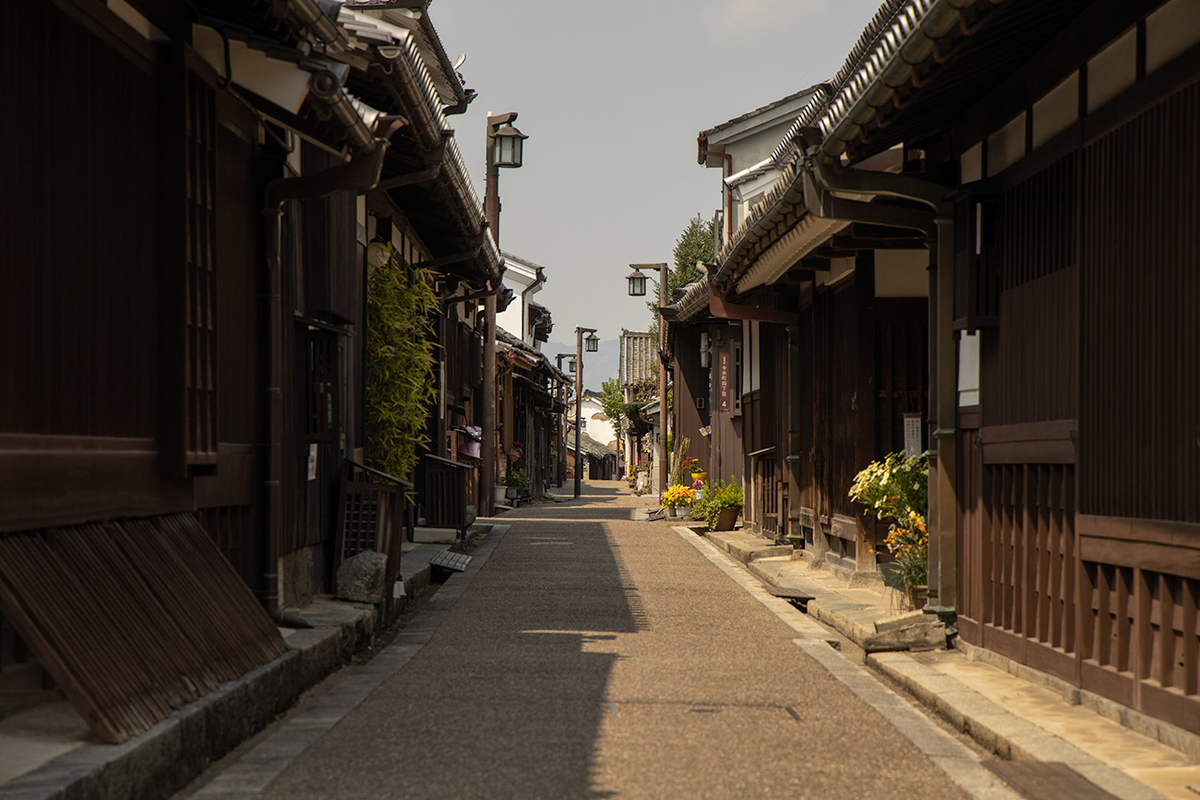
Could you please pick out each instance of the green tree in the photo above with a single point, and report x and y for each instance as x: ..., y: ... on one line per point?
x: 695, y: 243
x: 613, y: 403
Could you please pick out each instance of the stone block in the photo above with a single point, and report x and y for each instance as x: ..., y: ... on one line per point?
x: 361, y: 579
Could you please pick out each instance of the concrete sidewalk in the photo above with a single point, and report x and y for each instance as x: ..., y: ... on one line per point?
x: 48, y: 750
x: 1014, y: 711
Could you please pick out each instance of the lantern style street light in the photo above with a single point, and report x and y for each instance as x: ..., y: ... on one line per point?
x: 507, y: 144
x: 504, y: 149
x: 637, y: 283
x: 579, y: 333
x: 591, y: 343
x: 637, y: 288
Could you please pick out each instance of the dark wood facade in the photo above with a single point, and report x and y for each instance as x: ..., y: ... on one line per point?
x: 1057, y: 142
x: 532, y: 410
x: 1081, y: 514
x: 174, y: 359
x: 833, y: 372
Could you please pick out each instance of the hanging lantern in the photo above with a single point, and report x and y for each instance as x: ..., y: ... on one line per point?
x: 637, y: 283
x: 508, y: 144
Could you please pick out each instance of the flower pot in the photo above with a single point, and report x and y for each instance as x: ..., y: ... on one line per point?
x: 501, y: 493
x: 699, y: 476
x: 512, y: 492
x: 918, y: 596
x: 727, y: 518
x: 672, y: 511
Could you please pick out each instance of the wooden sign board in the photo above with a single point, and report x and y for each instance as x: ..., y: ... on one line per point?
x: 723, y: 380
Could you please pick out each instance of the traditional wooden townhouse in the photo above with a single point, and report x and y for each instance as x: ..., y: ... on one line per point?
x: 1047, y: 156
x: 694, y: 348
x: 803, y: 350
x: 637, y: 377
x: 599, y: 461
x: 531, y: 392
x: 531, y: 409
x: 185, y: 406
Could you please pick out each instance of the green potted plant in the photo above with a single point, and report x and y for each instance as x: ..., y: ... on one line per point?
x: 897, y: 489
x: 517, y: 481
x: 720, y: 506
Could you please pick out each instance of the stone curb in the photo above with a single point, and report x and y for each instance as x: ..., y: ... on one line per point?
x: 989, y: 724
x: 861, y: 623
x: 170, y: 755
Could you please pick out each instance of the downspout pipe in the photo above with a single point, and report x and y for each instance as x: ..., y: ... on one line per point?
x: 537, y: 281
x: 728, y: 170
x: 359, y: 175
x: 792, y: 459
x: 822, y: 181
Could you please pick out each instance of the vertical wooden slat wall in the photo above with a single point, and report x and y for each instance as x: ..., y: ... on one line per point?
x: 843, y: 372
x: 901, y: 370
x: 1141, y: 295
x: 79, y: 309
x: 1017, y: 481
x: 1087, y: 560
x: 1139, y: 450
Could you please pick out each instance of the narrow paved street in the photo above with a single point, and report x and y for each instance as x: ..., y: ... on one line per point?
x: 589, y: 655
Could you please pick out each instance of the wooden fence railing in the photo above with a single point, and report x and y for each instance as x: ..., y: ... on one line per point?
x: 372, y: 515
x: 446, y: 500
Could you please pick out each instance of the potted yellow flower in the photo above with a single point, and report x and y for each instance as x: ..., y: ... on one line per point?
x: 896, y: 488
x: 676, y: 496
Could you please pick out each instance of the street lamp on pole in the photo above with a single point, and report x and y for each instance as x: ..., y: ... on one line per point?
x: 637, y: 288
x: 592, y: 343
x: 560, y: 468
x: 505, y: 146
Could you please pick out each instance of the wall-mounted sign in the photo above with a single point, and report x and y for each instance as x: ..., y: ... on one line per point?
x: 912, y: 435
x: 723, y: 380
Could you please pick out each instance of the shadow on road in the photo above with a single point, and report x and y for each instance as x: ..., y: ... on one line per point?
x: 507, y: 698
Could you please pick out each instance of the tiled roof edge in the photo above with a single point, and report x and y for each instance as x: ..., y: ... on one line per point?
x: 899, y: 37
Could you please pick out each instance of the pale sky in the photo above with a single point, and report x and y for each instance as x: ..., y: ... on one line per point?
x: 612, y: 95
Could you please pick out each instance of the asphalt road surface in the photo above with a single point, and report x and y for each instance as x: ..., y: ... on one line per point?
x: 587, y: 655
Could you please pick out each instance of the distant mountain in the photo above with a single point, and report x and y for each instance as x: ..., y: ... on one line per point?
x: 597, y: 367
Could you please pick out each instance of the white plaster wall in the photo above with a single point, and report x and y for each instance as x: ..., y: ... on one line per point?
x: 968, y: 369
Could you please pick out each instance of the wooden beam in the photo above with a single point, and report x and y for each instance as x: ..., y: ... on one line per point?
x: 721, y: 309
x: 860, y: 243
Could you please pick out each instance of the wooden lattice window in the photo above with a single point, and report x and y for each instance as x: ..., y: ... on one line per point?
x: 187, y: 231
x: 200, y: 286
x: 318, y: 395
